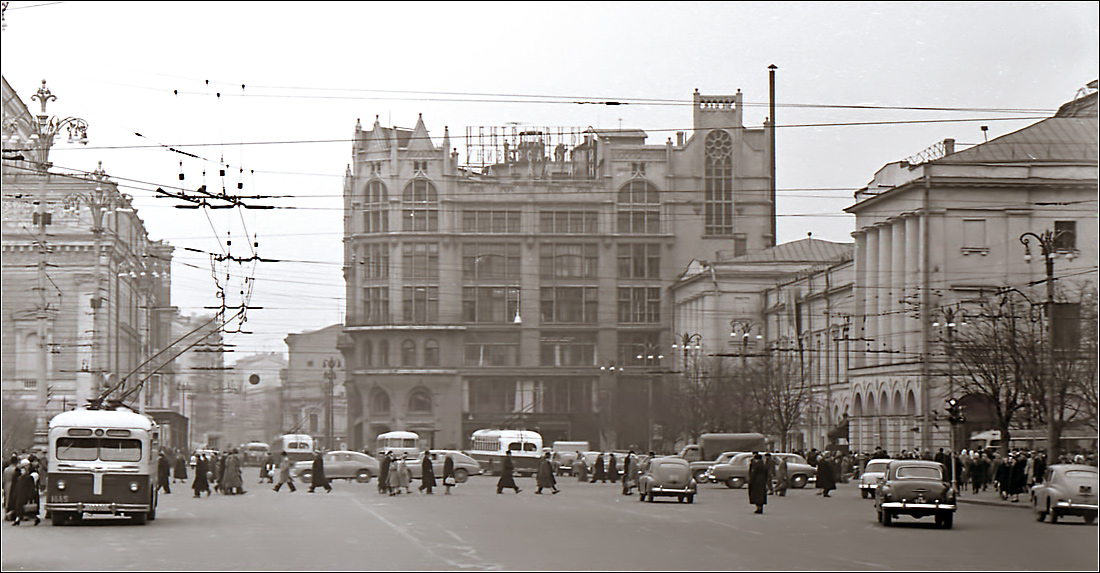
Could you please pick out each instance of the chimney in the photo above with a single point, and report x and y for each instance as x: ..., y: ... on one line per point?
x: 948, y: 146
x: 679, y: 139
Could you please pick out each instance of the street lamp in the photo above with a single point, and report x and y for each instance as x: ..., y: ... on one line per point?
x: 742, y: 328
x: 649, y: 355
x: 688, y: 342
x: 1049, y: 241
x: 953, y: 317
x: 330, y: 365
x: 41, y: 136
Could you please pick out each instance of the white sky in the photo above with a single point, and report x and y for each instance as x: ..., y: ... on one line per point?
x: 116, y: 64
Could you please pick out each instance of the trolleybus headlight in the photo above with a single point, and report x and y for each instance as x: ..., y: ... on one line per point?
x: 60, y: 484
x: 134, y: 486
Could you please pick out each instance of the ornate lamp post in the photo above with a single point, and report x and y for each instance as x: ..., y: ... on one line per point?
x: 41, y: 136
x: 330, y: 365
x: 742, y: 328
x: 649, y: 355
x: 953, y: 317
x: 688, y: 342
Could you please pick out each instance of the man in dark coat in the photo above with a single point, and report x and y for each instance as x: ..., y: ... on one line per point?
x: 630, y: 473
x: 180, y: 471
x: 427, y: 473
x: 200, y: 484
x: 164, y: 473
x: 318, y: 478
x: 597, y: 472
x: 545, y: 476
x: 506, y: 478
x: 24, y: 494
x: 758, y: 483
x: 826, y: 475
x: 384, y: 473
x: 448, y: 473
x: 612, y: 470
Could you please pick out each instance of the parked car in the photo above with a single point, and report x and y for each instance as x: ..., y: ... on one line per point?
x: 341, y: 464
x: 735, y: 473
x: 868, y: 480
x: 1067, y: 489
x: 465, y: 466
x: 916, y: 488
x: 666, y: 476
x: 563, y: 462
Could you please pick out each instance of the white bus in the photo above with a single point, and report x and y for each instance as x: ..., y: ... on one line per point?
x: 298, y: 447
x: 488, y: 447
x: 399, y: 443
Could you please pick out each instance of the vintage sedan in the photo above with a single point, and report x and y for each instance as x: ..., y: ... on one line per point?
x: 465, y: 466
x: 340, y: 464
x: 1067, y: 489
x: 917, y: 488
x: 666, y: 476
x: 735, y: 472
x: 868, y: 480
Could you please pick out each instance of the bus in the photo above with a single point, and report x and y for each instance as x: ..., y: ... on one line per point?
x: 1034, y: 439
x: 298, y: 447
x: 399, y: 443
x: 253, y: 453
x: 102, y: 461
x: 488, y: 447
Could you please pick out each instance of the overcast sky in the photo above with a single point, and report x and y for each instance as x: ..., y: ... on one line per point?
x: 311, y: 69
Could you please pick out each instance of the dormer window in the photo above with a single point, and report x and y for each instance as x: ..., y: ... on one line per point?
x: 420, y: 168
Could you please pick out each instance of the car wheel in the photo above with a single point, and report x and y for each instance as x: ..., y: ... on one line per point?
x: 641, y: 495
x: 305, y: 476
x: 799, y: 481
x: 1090, y: 519
x: 649, y: 497
x: 698, y: 475
x: 461, y: 475
x: 138, y: 518
x: 887, y: 518
x: 1053, y: 516
x: 363, y: 476
x: 1040, y: 515
x: 679, y: 499
x: 691, y: 498
x: 59, y: 518
x: 946, y: 520
x: 732, y: 483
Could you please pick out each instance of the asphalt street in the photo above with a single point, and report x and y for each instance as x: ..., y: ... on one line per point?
x: 589, y: 527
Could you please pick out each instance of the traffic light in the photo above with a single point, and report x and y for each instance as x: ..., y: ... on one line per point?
x: 955, y: 412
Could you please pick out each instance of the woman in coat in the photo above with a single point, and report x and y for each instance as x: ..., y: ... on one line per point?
x: 758, y: 483
x: 545, y: 476
x: 317, y: 477
x: 597, y: 472
x: 384, y: 473
x: 782, y: 477
x: 448, y: 474
x: 506, y: 479
x: 285, y: 466
x: 24, y: 494
x: 580, y: 468
x: 612, y: 471
x: 826, y: 475
x: 427, y: 473
x: 180, y: 471
x: 200, y: 484
x: 232, y: 480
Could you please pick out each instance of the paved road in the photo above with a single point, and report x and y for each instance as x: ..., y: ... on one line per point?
x: 587, y: 527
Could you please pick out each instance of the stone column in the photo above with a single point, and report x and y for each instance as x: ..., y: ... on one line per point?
x: 870, y: 317
x: 912, y: 283
x: 883, y: 285
x: 897, y: 292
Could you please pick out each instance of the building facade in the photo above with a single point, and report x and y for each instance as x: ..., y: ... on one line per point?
x: 945, y: 230
x: 314, y: 392
x: 498, y: 293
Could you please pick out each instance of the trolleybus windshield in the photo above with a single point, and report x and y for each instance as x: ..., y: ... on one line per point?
x: 105, y: 449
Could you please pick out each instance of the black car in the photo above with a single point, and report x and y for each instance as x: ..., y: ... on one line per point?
x: 916, y: 488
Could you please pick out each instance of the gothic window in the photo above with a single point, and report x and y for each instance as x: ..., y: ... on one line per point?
x: 379, y: 402
x: 420, y: 207
x: 718, y: 180
x: 639, y: 208
x: 420, y: 401
x: 408, y: 353
x: 375, y: 207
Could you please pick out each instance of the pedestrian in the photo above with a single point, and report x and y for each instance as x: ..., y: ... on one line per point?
x: 219, y: 472
x: 25, y: 494
x: 384, y: 473
x: 284, y: 474
x: 826, y: 475
x: 1018, y: 479
x: 164, y: 473
x: 598, y: 473
x: 580, y: 468
x: 782, y: 476
x: 267, y: 468
x: 317, y: 478
x: 612, y: 470
x: 448, y: 473
x: 545, y: 476
x: 506, y: 478
x: 181, y: 467
x: 404, y: 474
x: 9, y: 479
x: 200, y: 484
x: 769, y: 464
x: 630, y: 473
x: 758, y: 482
x: 232, y: 479
x: 427, y: 474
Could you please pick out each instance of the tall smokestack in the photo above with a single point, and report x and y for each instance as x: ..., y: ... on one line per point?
x: 771, y: 145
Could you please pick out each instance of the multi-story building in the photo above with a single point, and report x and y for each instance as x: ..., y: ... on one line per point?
x: 945, y: 228
x: 490, y: 294
x: 195, y: 379
x: 83, y: 284
x: 250, y: 403
x: 314, y: 392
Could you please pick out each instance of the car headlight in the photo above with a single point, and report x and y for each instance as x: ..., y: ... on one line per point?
x: 60, y: 484
x: 134, y: 486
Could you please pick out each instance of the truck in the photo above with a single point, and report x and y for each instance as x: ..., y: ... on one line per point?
x: 703, y: 454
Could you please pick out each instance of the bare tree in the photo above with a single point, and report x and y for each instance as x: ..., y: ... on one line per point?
x: 701, y: 400
x: 779, y: 392
x: 19, y: 424
x: 1070, y: 379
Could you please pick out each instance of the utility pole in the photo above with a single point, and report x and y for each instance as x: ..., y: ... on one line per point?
x: 771, y: 148
x: 330, y: 364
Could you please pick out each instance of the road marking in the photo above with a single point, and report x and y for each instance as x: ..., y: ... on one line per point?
x: 467, y: 558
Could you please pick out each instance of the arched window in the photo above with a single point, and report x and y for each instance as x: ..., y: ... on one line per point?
x: 365, y: 358
x: 379, y: 402
x: 639, y: 208
x: 420, y: 401
x: 911, y: 406
x: 897, y: 409
x: 718, y: 181
x: 420, y: 206
x: 431, y: 353
x: 384, y: 353
x: 375, y: 208
x: 408, y: 353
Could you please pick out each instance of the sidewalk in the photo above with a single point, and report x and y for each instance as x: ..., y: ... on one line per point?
x: 990, y: 497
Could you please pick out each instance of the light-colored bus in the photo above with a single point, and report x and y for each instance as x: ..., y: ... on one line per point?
x: 488, y: 447
x: 253, y: 453
x: 102, y: 461
x: 298, y: 447
x: 398, y: 442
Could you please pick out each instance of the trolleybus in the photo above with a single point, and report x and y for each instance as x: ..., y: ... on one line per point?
x: 488, y: 447
x: 298, y: 447
x: 398, y: 442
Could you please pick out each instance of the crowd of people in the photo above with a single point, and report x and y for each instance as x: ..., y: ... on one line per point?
x: 22, y: 488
